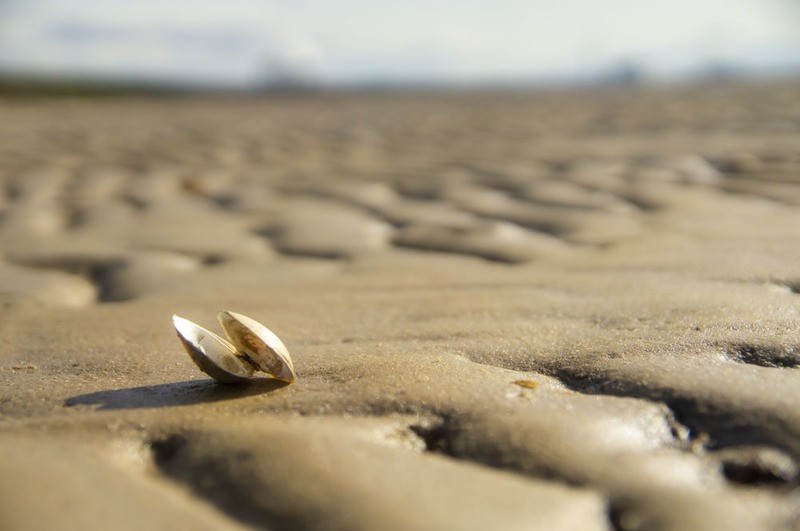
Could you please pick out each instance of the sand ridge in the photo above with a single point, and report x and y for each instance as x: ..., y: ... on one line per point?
x: 629, y: 255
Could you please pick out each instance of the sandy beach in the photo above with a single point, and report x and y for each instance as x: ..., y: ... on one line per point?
x: 553, y: 310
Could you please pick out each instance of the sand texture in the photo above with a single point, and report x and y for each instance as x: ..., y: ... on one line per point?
x: 553, y: 311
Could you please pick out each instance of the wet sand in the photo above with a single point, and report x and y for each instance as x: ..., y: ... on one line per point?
x: 506, y: 311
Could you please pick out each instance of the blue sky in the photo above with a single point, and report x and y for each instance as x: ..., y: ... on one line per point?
x: 231, y: 42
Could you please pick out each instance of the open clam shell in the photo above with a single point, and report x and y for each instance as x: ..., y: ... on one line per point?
x: 258, y: 344
x: 215, y: 356
x: 252, y: 347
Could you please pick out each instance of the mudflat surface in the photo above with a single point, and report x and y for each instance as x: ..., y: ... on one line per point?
x: 506, y: 311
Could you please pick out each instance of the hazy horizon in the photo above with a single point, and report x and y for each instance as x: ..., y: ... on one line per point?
x: 249, y: 43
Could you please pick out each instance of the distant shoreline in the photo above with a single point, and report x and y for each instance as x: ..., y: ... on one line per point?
x: 34, y: 85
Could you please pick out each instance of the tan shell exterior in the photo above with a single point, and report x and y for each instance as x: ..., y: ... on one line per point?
x: 259, y: 344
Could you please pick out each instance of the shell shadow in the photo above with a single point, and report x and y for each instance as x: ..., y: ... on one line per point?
x: 173, y: 394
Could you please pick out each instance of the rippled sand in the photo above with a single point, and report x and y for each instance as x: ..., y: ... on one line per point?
x: 506, y: 311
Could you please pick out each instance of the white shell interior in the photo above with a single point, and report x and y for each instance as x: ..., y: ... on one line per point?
x: 215, y: 356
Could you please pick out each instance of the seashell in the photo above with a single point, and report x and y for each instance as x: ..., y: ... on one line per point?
x: 214, y: 355
x: 250, y: 347
x: 258, y: 344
